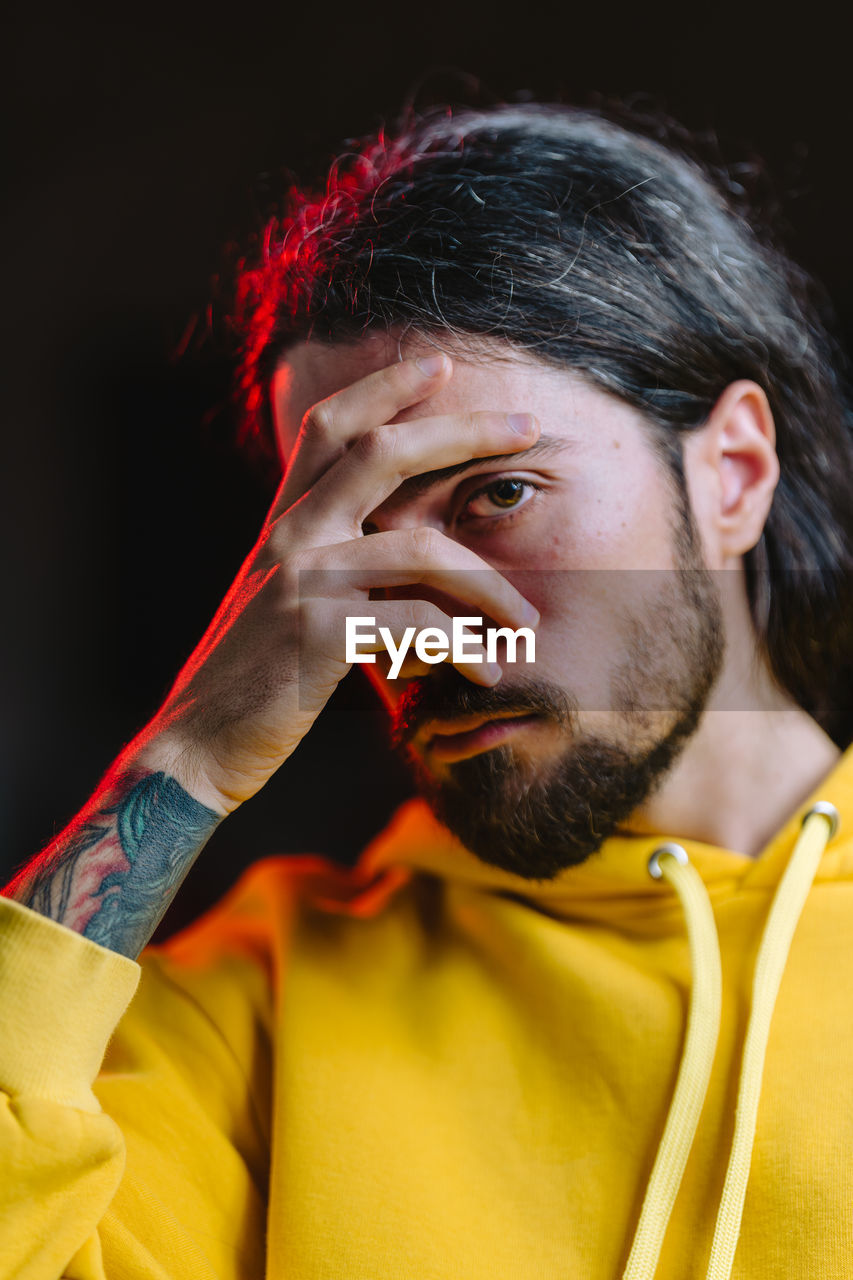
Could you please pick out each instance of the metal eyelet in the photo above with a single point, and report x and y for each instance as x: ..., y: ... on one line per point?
x: 829, y: 811
x: 679, y: 853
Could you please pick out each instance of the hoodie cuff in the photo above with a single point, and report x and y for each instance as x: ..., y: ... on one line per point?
x: 61, y: 997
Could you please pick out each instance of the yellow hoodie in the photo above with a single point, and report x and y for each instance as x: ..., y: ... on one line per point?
x: 428, y: 1069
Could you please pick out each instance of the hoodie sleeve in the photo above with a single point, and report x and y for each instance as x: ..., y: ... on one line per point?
x: 154, y: 1162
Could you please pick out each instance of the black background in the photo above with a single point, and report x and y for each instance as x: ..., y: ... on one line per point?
x: 137, y: 143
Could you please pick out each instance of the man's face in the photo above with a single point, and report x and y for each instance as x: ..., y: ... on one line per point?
x: 535, y: 773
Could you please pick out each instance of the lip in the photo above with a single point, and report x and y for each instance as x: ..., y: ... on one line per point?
x: 469, y: 736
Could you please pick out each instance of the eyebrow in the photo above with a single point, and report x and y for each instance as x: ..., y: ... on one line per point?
x: 545, y: 446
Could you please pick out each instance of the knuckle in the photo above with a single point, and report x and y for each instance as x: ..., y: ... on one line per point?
x: 422, y: 614
x: 488, y: 426
x: 400, y: 380
x: 279, y: 546
x: 424, y: 544
x: 291, y: 568
x: 378, y: 446
x: 397, y: 378
x: 295, y: 580
x: 312, y: 614
x: 320, y: 420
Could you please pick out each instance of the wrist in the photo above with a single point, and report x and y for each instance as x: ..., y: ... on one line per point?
x: 160, y: 749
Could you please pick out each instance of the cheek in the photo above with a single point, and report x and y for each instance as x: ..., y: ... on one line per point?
x: 538, y: 563
x: 586, y: 626
x: 617, y: 518
x: 622, y: 528
x: 579, y: 639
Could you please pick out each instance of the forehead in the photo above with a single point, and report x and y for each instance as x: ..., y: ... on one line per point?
x: 494, y: 377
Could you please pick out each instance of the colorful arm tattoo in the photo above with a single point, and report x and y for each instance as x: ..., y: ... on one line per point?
x: 112, y: 875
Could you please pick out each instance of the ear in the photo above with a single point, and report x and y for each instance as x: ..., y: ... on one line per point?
x: 732, y: 471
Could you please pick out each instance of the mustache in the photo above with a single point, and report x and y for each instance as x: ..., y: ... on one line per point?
x: 445, y: 693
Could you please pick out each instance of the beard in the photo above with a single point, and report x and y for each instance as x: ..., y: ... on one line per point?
x: 535, y: 818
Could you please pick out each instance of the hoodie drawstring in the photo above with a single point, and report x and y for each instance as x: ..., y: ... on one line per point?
x: 670, y: 862
x: 703, y: 1027
x: 819, y: 826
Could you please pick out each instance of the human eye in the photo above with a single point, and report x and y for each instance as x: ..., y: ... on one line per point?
x: 499, y: 497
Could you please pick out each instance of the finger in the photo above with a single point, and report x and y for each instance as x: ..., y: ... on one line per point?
x: 417, y: 557
x: 332, y: 425
x: 384, y: 457
x: 398, y: 629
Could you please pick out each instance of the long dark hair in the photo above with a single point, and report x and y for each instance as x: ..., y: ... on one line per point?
x: 597, y: 248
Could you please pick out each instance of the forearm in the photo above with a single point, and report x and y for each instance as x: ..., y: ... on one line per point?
x: 111, y: 874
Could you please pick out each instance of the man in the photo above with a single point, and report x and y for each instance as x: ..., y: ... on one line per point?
x: 527, y: 367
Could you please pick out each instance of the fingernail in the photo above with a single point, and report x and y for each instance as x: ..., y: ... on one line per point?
x: 430, y: 366
x: 520, y: 422
x: 530, y: 614
x: 492, y: 672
